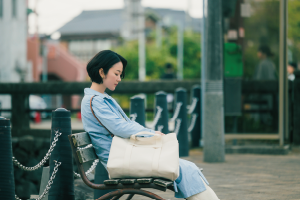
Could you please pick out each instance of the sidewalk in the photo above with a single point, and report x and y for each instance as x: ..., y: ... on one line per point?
x: 248, y: 177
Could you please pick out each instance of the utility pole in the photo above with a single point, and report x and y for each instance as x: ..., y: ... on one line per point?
x: 180, y: 52
x: 142, y: 44
x: 212, y: 85
x: 134, y: 28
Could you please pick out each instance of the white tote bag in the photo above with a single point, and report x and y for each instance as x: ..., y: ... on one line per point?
x: 138, y: 157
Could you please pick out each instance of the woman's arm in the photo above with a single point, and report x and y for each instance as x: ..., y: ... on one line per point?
x: 115, y: 124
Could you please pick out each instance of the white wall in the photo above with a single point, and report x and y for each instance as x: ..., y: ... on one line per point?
x: 13, y: 50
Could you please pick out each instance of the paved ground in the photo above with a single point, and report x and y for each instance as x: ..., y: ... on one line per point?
x: 249, y: 177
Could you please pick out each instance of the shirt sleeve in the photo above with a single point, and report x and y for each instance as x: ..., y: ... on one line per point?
x: 115, y: 124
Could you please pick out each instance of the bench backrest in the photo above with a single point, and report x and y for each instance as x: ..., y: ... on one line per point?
x: 86, y: 151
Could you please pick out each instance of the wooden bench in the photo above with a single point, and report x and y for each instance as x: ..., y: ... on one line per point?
x: 123, y: 186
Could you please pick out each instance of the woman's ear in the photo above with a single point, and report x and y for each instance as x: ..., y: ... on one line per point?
x: 101, y: 73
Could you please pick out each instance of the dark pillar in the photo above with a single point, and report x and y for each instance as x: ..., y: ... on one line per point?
x: 7, y: 183
x: 137, y: 106
x: 101, y: 174
x: 213, y: 114
x: 161, y: 101
x: 196, y: 131
x: 296, y: 110
x: 180, y: 96
x: 63, y: 184
x: 19, y: 115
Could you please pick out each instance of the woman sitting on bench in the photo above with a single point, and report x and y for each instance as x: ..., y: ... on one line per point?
x: 106, y: 70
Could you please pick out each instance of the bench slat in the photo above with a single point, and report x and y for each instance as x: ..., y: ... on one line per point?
x: 81, y: 139
x: 163, y: 183
x: 144, y: 180
x: 85, y: 155
x: 111, y: 182
x: 127, y: 181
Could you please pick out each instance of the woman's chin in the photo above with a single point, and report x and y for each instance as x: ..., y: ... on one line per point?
x: 112, y: 89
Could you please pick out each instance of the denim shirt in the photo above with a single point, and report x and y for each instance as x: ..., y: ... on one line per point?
x: 111, y: 115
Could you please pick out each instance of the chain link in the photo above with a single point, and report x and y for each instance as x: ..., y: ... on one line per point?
x: 193, y: 122
x: 177, y: 126
x: 50, y: 182
x: 88, y: 171
x: 176, y: 112
x: 157, y: 116
x: 133, y: 117
x: 193, y: 105
x: 17, y: 163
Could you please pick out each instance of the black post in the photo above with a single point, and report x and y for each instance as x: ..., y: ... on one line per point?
x: 180, y: 95
x: 161, y: 101
x: 63, y: 184
x: 7, y: 182
x: 137, y: 106
x: 296, y: 114
x: 19, y: 115
x: 101, y: 175
x: 196, y: 131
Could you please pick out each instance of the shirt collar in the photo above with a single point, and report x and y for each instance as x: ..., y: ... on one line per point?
x: 89, y: 91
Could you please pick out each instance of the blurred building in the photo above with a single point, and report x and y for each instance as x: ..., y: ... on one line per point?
x: 13, y: 32
x: 95, y: 30
x: 13, y: 29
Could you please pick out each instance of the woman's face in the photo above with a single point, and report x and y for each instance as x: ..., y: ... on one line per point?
x: 113, y: 76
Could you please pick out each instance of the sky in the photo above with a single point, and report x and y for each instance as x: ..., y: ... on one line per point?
x: 53, y: 14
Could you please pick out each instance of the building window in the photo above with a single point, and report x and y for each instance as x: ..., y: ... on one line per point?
x: 1, y: 8
x: 14, y: 8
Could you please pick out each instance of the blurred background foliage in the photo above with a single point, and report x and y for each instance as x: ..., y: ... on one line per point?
x: 157, y: 57
x: 294, y: 28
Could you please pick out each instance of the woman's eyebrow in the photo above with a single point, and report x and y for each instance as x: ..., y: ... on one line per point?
x: 119, y: 71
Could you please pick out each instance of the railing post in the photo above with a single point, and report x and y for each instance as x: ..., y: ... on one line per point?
x: 19, y: 114
x: 7, y: 182
x: 101, y: 174
x: 196, y: 131
x: 296, y: 115
x: 161, y: 101
x: 137, y: 107
x: 63, y: 184
x: 180, y: 96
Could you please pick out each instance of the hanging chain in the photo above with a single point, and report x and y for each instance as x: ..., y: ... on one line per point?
x: 193, y: 105
x: 50, y: 182
x: 160, y: 128
x: 177, y: 126
x: 17, y: 163
x: 176, y: 113
x: 157, y: 116
x: 193, y: 122
x: 133, y: 117
x: 88, y: 171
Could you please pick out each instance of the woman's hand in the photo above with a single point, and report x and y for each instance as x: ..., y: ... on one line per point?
x: 158, y: 132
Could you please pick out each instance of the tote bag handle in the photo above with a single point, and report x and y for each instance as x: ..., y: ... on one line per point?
x: 112, y: 135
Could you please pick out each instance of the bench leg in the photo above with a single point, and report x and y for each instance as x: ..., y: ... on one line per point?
x: 121, y: 192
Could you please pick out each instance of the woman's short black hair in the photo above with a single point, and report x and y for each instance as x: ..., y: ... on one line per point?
x: 104, y: 59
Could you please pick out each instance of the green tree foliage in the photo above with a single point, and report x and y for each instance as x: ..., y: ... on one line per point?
x: 294, y: 28
x: 157, y: 57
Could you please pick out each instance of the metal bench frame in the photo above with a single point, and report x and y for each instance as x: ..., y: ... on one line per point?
x: 82, y: 139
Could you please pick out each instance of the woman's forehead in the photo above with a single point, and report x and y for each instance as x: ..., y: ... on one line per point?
x: 118, y: 66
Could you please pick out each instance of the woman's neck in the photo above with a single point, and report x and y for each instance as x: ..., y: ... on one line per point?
x: 98, y: 87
